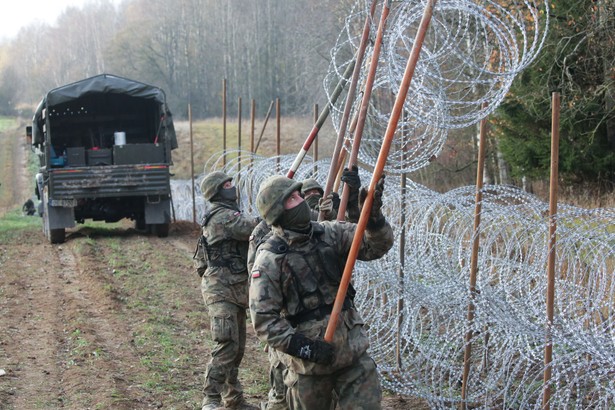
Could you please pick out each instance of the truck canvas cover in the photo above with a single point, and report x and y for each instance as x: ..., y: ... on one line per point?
x: 100, y: 85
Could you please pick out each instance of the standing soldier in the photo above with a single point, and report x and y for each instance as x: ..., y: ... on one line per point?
x: 312, y: 192
x: 221, y: 262
x: 294, y: 282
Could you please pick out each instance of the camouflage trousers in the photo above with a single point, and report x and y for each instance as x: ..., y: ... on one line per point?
x: 228, y: 331
x: 276, y: 399
x: 357, y: 387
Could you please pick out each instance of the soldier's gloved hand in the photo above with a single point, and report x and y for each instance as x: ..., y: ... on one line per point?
x: 315, y: 351
x: 325, y: 205
x: 376, y: 219
x: 351, y: 178
x: 336, y: 200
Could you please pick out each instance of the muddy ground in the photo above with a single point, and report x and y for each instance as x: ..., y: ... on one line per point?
x: 111, y: 319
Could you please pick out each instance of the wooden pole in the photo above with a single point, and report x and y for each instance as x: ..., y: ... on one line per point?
x: 342, y: 157
x: 478, y: 203
x: 378, y: 169
x: 349, y: 102
x: 192, y: 163
x: 278, y: 147
x: 367, y: 94
x: 238, y: 146
x: 260, y: 137
x: 252, y: 119
x: 555, y: 107
x: 321, y: 120
x: 402, y: 263
x: 252, y: 150
x: 315, y: 170
x: 224, y: 122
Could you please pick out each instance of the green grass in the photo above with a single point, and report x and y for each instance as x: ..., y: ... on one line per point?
x: 8, y: 123
x: 14, y: 221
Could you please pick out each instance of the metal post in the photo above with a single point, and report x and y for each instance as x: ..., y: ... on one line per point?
x: 315, y: 141
x: 224, y: 121
x: 278, y: 148
x: 252, y: 119
x: 260, y: 137
x: 238, y: 146
x: 555, y: 107
x: 478, y: 202
x: 192, y: 163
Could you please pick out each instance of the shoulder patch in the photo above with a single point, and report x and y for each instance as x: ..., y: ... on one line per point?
x: 256, y: 273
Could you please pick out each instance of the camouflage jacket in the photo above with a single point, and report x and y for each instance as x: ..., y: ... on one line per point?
x: 259, y: 235
x: 263, y: 231
x: 274, y: 297
x: 225, y: 276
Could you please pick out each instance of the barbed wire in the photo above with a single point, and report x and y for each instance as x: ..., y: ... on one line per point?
x: 472, y: 52
x: 415, y: 299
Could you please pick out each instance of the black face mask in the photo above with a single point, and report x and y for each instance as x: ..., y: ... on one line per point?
x: 228, y: 194
x: 312, y: 201
x: 297, y: 219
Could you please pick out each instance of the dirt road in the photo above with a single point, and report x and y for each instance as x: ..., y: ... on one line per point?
x: 111, y: 319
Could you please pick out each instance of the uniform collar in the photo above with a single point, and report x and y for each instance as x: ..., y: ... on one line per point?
x: 224, y: 204
x: 297, y: 238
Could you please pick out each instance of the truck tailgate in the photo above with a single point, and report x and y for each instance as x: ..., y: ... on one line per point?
x: 109, y: 181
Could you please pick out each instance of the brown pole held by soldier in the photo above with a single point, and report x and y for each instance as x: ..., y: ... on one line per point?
x: 378, y: 170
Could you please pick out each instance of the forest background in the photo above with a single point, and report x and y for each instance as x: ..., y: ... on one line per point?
x: 269, y: 49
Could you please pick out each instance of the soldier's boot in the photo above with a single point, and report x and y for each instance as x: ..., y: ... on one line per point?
x: 268, y: 405
x: 211, y: 403
x: 241, y: 405
x: 275, y: 401
x: 214, y: 381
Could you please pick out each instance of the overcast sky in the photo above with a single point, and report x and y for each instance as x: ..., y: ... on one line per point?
x: 20, y: 13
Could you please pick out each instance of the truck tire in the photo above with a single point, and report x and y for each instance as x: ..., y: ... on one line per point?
x: 45, y: 215
x: 53, y: 235
x: 161, y: 230
x: 57, y: 235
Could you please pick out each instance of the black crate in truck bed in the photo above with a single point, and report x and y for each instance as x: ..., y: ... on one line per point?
x: 138, y: 154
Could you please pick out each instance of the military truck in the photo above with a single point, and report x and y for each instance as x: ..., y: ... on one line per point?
x: 104, y: 145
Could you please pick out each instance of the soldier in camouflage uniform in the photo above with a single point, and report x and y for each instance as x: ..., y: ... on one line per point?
x: 221, y: 261
x: 294, y: 282
x: 312, y: 192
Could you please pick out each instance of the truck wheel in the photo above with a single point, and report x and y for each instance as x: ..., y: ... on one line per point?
x: 161, y: 230
x: 53, y: 235
x: 45, y: 215
x: 57, y: 235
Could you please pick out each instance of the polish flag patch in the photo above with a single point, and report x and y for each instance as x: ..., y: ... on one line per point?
x: 256, y: 274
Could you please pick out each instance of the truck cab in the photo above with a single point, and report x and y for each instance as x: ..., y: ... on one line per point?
x: 104, y: 145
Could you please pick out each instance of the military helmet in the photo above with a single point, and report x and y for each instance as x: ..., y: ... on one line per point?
x: 272, y: 194
x: 210, y: 185
x: 309, y: 184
